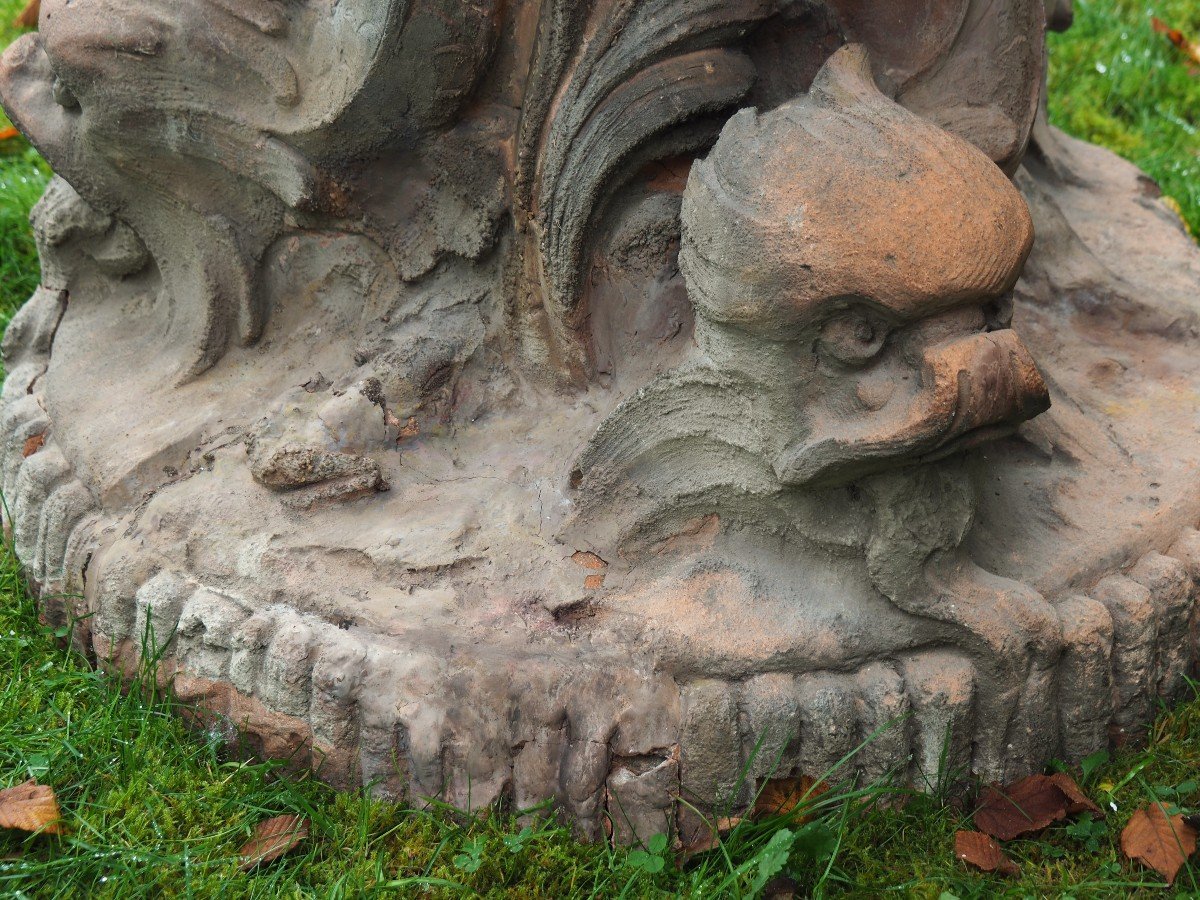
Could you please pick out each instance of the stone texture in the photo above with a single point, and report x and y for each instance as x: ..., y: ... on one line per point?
x: 884, y: 714
x: 660, y: 397
x: 1171, y: 594
x: 1134, y: 639
x: 771, y: 724
x: 941, y: 690
x: 641, y: 804
x: 1086, y: 676
x: 828, y: 731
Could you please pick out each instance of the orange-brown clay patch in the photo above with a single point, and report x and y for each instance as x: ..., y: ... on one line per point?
x: 588, y: 560
x: 698, y: 534
x: 267, y: 734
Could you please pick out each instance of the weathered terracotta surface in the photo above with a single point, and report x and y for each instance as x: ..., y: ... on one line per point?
x: 561, y: 399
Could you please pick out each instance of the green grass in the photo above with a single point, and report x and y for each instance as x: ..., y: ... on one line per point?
x: 1117, y: 83
x: 8, y: 32
x: 23, y: 177
x: 153, y: 808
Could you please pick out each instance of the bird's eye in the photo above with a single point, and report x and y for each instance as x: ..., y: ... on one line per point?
x: 853, y: 338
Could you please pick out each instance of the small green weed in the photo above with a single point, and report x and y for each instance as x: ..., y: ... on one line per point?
x: 653, y: 859
x: 1088, y: 832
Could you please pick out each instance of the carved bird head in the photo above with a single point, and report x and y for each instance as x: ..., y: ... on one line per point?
x: 858, y: 260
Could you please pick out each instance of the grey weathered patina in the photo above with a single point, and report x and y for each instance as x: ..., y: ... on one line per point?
x: 561, y: 399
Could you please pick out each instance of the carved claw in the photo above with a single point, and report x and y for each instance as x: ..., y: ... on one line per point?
x: 1012, y: 634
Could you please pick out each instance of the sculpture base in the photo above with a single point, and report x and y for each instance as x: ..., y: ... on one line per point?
x: 438, y: 640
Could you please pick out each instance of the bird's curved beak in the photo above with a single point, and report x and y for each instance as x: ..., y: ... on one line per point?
x: 971, y: 389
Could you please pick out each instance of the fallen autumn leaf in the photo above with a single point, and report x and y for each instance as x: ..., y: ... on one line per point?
x: 780, y: 796
x: 1078, y: 801
x: 1029, y: 805
x: 271, y: 839
x: 979, y: 850
x: 30, y: 807
x: 709, y: 837
x: 1161, y: 843
x: 1178, y: 38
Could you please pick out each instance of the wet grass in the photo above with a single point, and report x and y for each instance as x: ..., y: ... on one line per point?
x: 154, y: 808
x: 23, y: 177
x: 906, y: 851
x: 1116, y: 82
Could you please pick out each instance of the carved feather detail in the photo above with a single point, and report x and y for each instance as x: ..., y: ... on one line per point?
x: 605, y: 88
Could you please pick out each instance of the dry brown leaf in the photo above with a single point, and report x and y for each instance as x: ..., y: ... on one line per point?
x: 30, y: 807
x: 780, y: 796
x: 1077, y: 800
x: 709, y: 838
x: 1022, y: 807
x: 979, y: 850
x: 1164, y: 844
x: 1178, y: 38
x: 33, y: 444
x: 29, y: 15
x: 272, y: 839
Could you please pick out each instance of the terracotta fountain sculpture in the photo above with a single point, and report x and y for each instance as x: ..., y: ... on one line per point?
x: 587, y: 401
